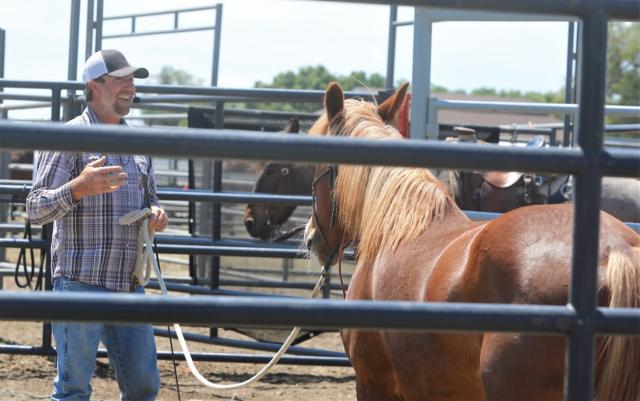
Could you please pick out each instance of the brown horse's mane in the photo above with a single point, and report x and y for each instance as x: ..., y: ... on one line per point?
x: 381, y: 206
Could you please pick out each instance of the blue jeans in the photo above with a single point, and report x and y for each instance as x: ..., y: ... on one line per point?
x: 131, y: 349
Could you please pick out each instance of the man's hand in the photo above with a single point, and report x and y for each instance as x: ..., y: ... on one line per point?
x: 95, y: 179
x: 158, y: 220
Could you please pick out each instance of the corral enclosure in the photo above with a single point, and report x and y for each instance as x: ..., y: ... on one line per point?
x: 212, y: 222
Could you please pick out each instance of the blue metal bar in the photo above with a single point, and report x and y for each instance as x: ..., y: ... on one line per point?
x: 260, y: 345
x: 98, y: 24
x: 248, y: 145
x: 217, y: 37
x: 391, y: 47
x: 287, y: 312
x: 55, y: 103
x: 89, y: 29
x: 619, y: 9
x: 161, y: 32
x: 3, y: 113
x: 584, y: 270
x: 156, y: 13
x: 74, y: 29
x: 569, y: 81
x: 198, y: 356
x: 274, y: 95
x: 283, y: 313
x: 2, y: 53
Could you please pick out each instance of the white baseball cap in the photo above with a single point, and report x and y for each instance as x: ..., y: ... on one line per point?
x: 111, y: 62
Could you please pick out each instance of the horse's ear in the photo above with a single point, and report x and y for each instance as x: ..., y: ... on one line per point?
x: 333, y: 100
x: 388, y: 110
x: 293, y: 127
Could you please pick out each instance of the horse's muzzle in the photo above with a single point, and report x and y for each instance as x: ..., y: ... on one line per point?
x: 309, y: 233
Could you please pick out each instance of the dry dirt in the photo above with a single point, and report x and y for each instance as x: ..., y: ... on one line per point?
x: 30, y: 377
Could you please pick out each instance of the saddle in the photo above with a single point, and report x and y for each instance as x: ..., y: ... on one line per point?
x: 497, y: 191
x: 502, y: 179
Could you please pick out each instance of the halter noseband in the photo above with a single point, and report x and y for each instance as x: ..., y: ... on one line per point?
x: 332, y: 172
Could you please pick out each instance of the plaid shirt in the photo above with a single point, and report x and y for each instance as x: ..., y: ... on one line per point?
x: 88, y: 243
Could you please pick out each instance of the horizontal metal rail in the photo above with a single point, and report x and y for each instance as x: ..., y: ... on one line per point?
x: 230, y: 144
x: 527, y: 107
x: 158, y: 32
x: 627, y: 10
x: 156, y: 13
x: 260, y: 345
x: 255, y: 94
x: 312, y: 314
x: 199, y: 356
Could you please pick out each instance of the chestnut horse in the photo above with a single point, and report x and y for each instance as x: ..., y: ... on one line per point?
x: 415, y: 244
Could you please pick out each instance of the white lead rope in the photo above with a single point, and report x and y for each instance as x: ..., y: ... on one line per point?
x: 146, y: 258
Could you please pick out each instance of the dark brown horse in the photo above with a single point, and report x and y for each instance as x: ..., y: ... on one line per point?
x: 263, y: 220
x: 415, y: 244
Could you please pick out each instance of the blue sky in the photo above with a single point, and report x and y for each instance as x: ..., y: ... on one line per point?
x: 262, y: 38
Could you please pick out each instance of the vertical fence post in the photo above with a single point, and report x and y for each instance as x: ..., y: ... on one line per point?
x: 391, y: 47
x: 47, y: 232
x: 217, y: 34
x: 98, y: 25
x: 5, y: 156
x: 88, y: 47
x: 216, y: 233
x: 55, y: 103
x: 584, y: 269
x: 569, y: 82
x: 72, y: 72
x: 421, y: 75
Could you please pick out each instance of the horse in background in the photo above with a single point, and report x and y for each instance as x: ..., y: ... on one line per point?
x: 263, y: 220
x: 490, y: 191
x: 415, y: 244
x: 500, y: 192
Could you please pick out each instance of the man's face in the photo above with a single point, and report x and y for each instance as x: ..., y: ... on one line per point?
x: 116, y: 95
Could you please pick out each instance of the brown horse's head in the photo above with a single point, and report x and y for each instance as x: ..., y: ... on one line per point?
x: 325, y: 232
x: 263, y: 220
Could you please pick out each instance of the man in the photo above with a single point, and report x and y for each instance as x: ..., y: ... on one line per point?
x: 84, y: 194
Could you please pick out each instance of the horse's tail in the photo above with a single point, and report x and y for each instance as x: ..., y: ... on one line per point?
x: 620, y: 374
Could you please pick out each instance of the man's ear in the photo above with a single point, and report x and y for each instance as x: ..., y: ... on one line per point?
x: 93, y: 85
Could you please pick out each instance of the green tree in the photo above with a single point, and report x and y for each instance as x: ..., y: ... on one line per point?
x: 623, y: 68
x: 314, y: 77
x: 171, y: 76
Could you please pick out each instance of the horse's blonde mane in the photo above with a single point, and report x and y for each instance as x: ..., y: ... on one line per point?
x: 381, y: 206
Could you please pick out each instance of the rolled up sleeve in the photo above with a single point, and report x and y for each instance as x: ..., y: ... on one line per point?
x: 50, y: 197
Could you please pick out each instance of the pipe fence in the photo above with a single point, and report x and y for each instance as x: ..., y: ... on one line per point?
x: 579, y: 321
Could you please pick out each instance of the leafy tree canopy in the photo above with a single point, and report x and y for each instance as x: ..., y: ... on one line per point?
x: 623, y: 68
x: 315, y: 77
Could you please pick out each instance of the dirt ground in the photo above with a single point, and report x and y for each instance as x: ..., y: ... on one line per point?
x: 30, y: 377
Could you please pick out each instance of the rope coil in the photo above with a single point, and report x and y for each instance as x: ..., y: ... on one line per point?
x: 146, y: 259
